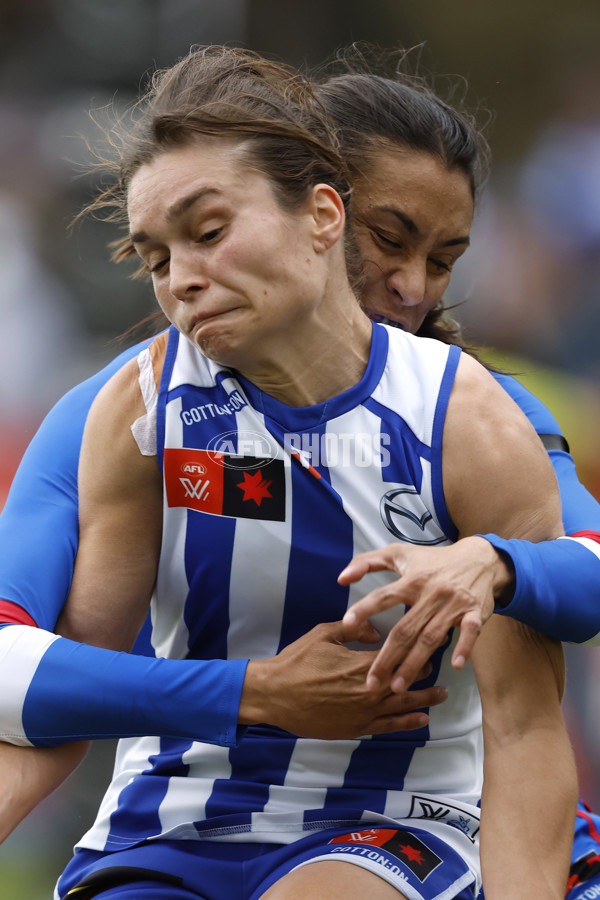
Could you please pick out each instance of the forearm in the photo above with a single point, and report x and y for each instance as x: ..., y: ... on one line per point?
x: 557, y: 586
x: 28, y: 775
x: 527, y: 822
x: 64, y: 691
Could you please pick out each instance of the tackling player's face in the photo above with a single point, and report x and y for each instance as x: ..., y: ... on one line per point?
x: 412, y: 219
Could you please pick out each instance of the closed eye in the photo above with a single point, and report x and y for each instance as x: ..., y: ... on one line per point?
x: 158, y: 266
x: 386, y: 241
x: 445, y: 267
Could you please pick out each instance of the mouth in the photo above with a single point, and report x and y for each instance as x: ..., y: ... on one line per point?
x: 200, y: 319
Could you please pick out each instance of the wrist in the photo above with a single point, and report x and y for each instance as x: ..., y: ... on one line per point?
x: 256, y: 691
x: 502, y: 572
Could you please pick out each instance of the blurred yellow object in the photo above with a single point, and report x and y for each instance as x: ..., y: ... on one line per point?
x: 574, y: 402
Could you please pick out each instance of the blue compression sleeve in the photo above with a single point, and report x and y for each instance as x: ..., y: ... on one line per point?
x: 580, y: 510
x: 63, y: 691
x: 557, y: 586
x: 538, y: 414
x: 557, y: 582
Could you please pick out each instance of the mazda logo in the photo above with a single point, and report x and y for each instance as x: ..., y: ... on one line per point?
x: 402, y: 522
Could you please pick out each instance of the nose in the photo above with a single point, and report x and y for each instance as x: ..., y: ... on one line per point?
x: 408, y: 283
x: 186, y: 276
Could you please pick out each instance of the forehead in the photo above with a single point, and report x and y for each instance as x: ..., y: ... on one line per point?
x: 416, y: 183
x: 206, y: 168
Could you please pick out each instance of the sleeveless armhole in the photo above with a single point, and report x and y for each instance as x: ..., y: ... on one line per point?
x: 144, y: 428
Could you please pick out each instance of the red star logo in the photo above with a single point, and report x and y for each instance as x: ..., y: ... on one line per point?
x: 255, y: 487
x: 411, y: 853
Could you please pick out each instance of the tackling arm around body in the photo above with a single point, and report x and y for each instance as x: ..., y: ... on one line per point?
x: 497, y: 478
x: 121, y: 517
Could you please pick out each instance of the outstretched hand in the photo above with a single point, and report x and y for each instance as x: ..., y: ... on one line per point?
x: 444, y: 587
x: 317, y: 688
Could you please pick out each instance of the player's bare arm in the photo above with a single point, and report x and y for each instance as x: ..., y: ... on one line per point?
x: 29, y: 775
x: 120, y: 521
x: 520, y: 675
x: 496, y: 471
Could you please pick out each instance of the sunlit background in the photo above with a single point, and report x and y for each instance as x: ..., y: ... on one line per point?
x: 530, y: 282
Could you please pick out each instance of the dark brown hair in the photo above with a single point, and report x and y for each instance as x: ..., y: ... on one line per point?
x: 372, y: 112
x: 270, y: 108
x: 405, y: 112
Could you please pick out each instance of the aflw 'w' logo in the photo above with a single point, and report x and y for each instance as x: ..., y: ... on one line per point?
x: 429, y: 811
x: 230, y: 485
x: 198, y: 489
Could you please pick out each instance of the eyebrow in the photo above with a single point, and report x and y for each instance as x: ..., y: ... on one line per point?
x: 408, y: 223
x: 413, y: 229
x: 178, y: 209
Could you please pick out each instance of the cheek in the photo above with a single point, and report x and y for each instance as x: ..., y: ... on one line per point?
x: 372, y: 270
x: 367, y: 252
x: 164, y: 299
x: 436, y: 287
x: 238, y: 264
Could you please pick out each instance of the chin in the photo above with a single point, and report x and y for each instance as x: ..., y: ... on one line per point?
x: 220, y: 348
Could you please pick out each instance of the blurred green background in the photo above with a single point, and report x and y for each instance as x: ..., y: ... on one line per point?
x: 530, y: 284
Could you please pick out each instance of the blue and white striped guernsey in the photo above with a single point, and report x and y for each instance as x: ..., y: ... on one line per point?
x: 264, y: 505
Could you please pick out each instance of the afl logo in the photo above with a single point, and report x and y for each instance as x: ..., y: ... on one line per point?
x: 193, y: 468
x: 405, y: 524
x: 256, y: 448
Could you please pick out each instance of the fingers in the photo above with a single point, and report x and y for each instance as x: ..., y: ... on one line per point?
x: 340, y: 633
x: 406, y: 712
x: 332, y: 632
x: 361, y: 631
x: 399, y: 664
x: 388, y: 557
x: 405, y: 652
x: 470, y: 629
x: 424, y: 697
x: 406, y: 722
x: 354, y: 571
x: 378, y: 600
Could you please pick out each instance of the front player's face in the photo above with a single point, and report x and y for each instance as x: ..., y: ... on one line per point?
x: 231, y: 269
x: 412, y: 218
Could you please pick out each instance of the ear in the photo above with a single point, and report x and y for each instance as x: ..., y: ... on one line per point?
x: 329, y: 217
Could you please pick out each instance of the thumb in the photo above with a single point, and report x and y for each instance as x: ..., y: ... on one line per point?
x: 361, y: 630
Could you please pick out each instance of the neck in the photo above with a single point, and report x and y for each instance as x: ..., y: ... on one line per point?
x: 317, y: 363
